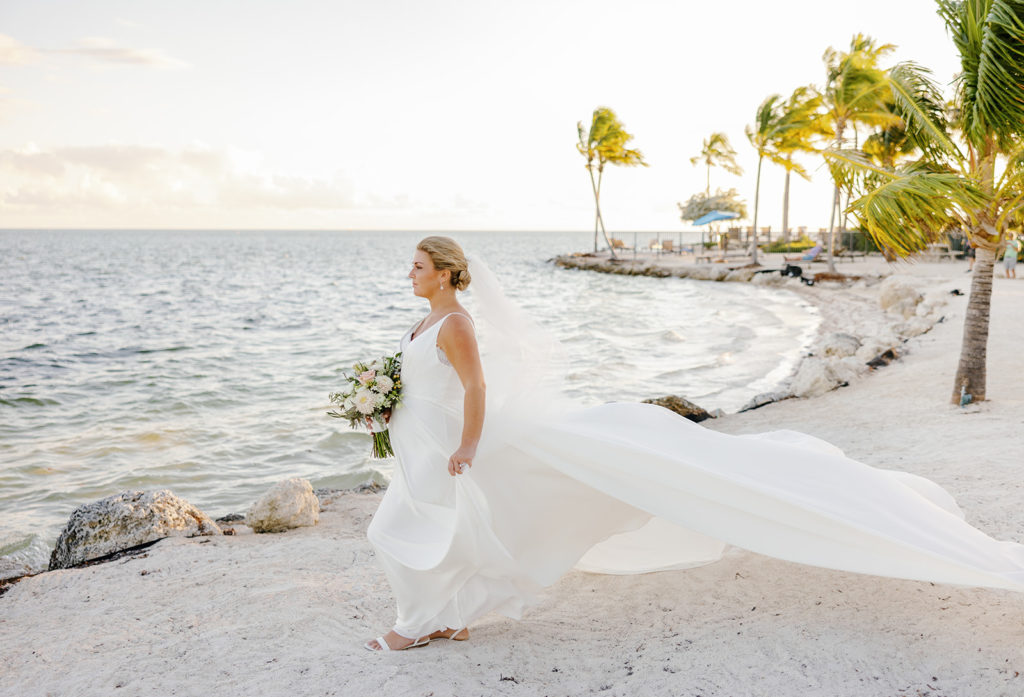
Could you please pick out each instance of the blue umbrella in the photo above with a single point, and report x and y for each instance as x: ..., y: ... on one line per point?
x: 714, y: 216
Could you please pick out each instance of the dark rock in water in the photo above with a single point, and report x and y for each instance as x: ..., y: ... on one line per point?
x: 126, y: 520
x: 883, y: 359
x: 231, y: 518
x: 764, y: 399
x: 681, y: 406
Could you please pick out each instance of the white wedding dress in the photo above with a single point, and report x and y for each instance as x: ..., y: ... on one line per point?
x: 632, y: 488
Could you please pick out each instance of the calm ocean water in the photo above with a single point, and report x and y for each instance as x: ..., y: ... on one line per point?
x: 201, y: 361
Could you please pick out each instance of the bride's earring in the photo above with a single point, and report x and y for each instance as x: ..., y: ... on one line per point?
x: 442, y: 285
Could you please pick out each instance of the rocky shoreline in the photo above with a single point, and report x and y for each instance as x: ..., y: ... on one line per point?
x: 129, y: 522
x: 867, y: 317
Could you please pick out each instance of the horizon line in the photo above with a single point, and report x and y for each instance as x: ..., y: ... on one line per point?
x: 301, y: 229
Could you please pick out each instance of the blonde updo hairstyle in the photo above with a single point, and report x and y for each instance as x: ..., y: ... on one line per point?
x: 445, y: 253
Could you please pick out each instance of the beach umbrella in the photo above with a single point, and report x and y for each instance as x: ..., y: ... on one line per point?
x: 714, y: 216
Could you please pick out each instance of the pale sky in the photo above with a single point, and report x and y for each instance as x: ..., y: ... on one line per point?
x: 403, y: 114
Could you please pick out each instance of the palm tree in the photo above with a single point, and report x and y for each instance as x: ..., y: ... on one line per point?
x: 916, y: 201
x: 780, y: 130
x: 767, y: 123
x: 717, y: 152
x: 807, y: 124
x: 854, y: 93
x: 605, y: 141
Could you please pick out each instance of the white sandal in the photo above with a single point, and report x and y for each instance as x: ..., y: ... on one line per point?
x: 384, y: 645
x: 454, y: 636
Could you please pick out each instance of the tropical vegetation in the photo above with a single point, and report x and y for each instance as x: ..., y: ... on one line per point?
x: 716, y: 151
x: 605, y: 142
x: 975, y: 185
x: 700, y: 205
x: 781, y: 129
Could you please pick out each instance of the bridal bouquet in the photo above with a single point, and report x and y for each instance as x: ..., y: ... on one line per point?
x: 373, y: 391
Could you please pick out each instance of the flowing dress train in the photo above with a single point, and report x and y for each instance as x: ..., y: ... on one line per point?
x: 630, y: 488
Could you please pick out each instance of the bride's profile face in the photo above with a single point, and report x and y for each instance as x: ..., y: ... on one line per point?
x: 425, y: 278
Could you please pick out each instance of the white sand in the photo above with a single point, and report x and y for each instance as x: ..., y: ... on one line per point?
x: 286, y: 614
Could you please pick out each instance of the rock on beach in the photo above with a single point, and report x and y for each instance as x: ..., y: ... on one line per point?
x: 126, y: 520
x: 288, y: 504
x: 683, y: 407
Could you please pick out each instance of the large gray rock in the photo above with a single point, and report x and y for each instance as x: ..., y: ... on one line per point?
x: 769, y: 279
x: 288, y: 504
x: 709, y: 272
x: 847, y: 369
x: 125, y: 520
x: 813, y: 378
x: 840, y: 344
x: 899, y: 296
x: 681, y: 406
x: 915, y: 326
x: 764, y: 399
x: 741, y: 275
x: 873, y: 346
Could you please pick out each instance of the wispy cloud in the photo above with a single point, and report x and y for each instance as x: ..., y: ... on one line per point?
x: 13, y: 52
x: 147, y: 181
x: 108, y: 51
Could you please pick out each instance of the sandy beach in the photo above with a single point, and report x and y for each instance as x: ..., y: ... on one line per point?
x: 286, y: 613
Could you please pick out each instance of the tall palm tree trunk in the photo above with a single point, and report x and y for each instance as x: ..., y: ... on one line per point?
x: 836, y: 200
x: 832, y: 230
x: 843, y: 219
x: 785, y: 211
x: 598, y: 220
x: 970, y: 373
x: 757, y: 200
x: 600, y: 217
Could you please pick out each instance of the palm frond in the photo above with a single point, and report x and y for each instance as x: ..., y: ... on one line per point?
x: 902, y: 214
x: 851, y: 169
x: 606, y: 141
x: 716, y: 151
x: 920, y: 105
x: 989, y: 34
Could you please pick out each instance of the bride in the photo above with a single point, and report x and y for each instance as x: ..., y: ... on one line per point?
x: 482, y: 513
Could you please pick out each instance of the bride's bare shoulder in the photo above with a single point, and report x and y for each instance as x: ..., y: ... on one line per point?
x: 457, y: 326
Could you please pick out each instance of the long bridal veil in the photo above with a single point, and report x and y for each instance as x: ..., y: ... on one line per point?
x: 657, y: 491
x: 523, y: 363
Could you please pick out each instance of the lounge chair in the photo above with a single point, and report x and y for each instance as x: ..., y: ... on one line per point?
x: 810, y: 255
